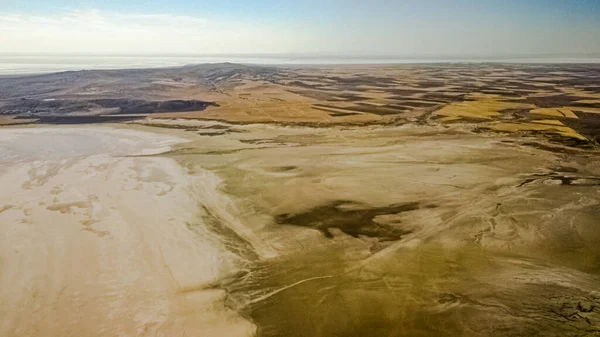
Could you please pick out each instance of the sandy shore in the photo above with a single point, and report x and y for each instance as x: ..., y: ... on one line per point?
x: 94, y: 242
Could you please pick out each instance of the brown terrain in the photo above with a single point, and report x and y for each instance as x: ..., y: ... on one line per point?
x: 560, y: 101
x: 232, y: 200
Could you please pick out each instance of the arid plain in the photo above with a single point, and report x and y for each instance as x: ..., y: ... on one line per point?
x: 230, y: 200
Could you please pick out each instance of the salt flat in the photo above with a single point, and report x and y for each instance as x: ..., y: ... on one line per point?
x: 94, y: 242
x: 203, y: 228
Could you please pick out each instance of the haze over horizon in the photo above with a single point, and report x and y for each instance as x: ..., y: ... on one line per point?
x: 334, y: 27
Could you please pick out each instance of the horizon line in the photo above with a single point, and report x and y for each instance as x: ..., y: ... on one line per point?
x: 316, y: 55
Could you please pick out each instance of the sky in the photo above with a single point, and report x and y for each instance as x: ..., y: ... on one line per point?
x: 398, y: 28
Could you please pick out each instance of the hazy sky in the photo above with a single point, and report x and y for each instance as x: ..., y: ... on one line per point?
x: 341, y: 27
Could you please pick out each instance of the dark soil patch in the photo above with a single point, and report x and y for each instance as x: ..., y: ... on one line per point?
x: 500, y: 92
x: 284, y: 168
x: 350, y: 218
x: 404, y: 92
x: 444, y: 98
x: 211, y: 134
x: 587, y: 124
x: 557, y: 101
x: 343, y: 114
x: 552, y: 148
x: 415, y: 104
x: 351, y: 97
x: 431, y: 84
x: 84, y: 119
x: 102, y: 106
x: 563, y: 179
